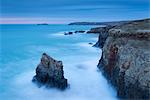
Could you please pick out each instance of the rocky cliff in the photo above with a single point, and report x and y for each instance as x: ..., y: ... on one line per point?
x: 125, y: 59
x: 50, y: 73
x: 103, y: 34
x: 103, y: 31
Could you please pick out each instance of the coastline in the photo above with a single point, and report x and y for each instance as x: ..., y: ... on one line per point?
x: 125, y: 57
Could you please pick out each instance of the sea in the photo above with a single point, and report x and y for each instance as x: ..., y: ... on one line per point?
x: 21, y: 48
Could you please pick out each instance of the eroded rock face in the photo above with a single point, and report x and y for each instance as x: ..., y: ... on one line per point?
x: 103, y: 34
x: 126, y: 59
x: 50, y: 73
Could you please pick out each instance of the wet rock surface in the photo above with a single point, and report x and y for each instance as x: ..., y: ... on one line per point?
x: 50, y: 73
x: 126, y: 59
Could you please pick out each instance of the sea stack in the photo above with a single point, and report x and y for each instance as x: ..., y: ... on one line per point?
x: 50, y: 73
x: 126, y: 59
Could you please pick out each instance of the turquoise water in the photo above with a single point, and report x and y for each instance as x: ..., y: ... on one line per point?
x: 21, y: 50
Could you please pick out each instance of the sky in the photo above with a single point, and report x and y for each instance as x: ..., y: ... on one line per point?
x: 66, y: 11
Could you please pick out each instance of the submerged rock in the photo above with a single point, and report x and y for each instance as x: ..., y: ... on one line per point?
x: 91, y: 43
x: 71, y: 33
x: 68, y: 33
x: 79, y: 31
x: 50, y: 73
x: 126, y: 59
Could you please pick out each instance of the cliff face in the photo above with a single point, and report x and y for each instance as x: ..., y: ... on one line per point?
x: 126, y: 59
x: 103, y: 34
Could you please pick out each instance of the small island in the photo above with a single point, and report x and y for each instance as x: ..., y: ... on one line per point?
x: 43, y: 24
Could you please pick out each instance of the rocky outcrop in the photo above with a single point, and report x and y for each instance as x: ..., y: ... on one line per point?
x: 126, y: 59
x: 79, y: 31
x: 102, y: 29
x: 103, y: 34
x: 71, y: 33
x: 50, y: 73
x: 68, y: 33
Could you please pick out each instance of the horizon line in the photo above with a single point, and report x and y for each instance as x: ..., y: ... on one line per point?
x: 55, y: 21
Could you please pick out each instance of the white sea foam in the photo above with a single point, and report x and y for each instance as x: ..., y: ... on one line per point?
x: 85, y: 46
x: 94, y: 39
x: 60, y: 33
x: 86, y: 83
x: 57, y: 34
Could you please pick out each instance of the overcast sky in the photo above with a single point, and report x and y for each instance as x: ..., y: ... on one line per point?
x: 65, y: 11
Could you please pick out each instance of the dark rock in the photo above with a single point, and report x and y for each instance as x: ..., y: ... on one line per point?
x: 91, y: 43
x: 68, y: 33
x: 50, y: 73
x: 101, y: 40
x: 103, y: 34
x: 125, y: 59
x: 43, y: 24
x: 79, y: 31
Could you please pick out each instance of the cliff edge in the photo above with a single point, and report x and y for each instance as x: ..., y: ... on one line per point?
x: 125, y: 59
